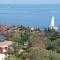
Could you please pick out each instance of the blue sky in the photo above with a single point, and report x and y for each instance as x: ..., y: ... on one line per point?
x: 30, y: 1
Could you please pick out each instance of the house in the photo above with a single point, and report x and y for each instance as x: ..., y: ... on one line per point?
x: 4, y: 45
x: 3, y: 29
x: 2, y: 56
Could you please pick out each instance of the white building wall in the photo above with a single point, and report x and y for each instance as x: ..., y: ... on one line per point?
x: 2, y: 56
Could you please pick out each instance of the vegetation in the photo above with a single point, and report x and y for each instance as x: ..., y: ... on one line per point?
x: 35, y: 45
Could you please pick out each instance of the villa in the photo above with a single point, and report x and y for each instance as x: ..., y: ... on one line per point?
x: 3, y: 29
x: 4, y: 45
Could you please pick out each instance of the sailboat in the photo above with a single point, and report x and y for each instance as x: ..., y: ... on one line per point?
x: 52, y: 25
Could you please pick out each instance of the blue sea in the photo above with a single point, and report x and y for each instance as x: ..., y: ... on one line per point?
x: 29, y: 14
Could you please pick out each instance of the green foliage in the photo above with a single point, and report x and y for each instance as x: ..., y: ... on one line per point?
x: 42, y: 54
x: 48, y: 38
x: 39, y: 54
x: 54, y: 55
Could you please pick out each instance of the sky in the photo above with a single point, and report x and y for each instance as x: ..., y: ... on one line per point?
x: 29, y: 1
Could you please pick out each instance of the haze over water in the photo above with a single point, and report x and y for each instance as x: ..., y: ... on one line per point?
x: 29, y: 15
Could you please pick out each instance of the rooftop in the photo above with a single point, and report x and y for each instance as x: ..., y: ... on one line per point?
x: 5, y: 43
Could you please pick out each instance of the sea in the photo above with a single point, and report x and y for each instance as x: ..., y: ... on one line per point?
x: 33, y: 15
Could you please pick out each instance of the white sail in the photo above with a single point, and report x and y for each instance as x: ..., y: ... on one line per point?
x: 52, y: 22
x: 52, y: 25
